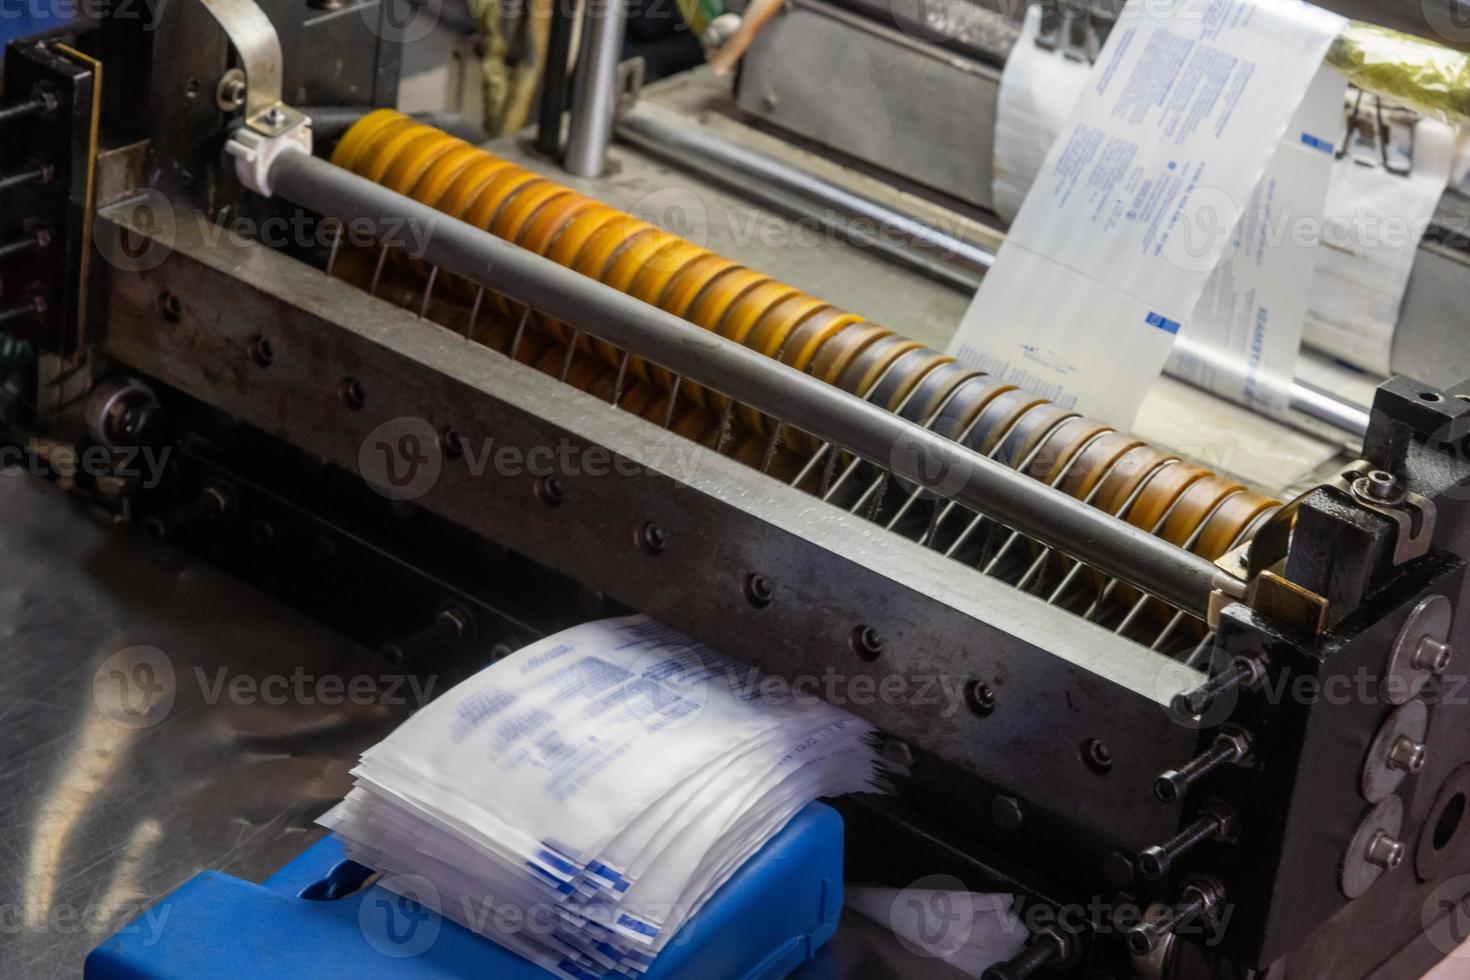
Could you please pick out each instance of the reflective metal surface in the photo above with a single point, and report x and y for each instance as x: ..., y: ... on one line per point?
x: 160, y: 718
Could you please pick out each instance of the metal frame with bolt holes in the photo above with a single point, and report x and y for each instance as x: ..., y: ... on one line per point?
x: 685, y: 532
x: 1058, y: 681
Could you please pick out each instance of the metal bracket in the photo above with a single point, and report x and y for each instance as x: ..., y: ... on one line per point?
x: 255, y: 41
x: 1378, y: 491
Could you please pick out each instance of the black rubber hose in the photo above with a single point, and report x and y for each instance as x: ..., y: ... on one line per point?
x: 330, y: 122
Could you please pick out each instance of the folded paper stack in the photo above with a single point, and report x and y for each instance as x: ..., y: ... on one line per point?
x: 581, y: 799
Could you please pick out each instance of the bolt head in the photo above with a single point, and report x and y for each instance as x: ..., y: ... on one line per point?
x: 1433, y: 655
x: 1153, y: 864
x: 1386, y: 851
x: 1408, y: 755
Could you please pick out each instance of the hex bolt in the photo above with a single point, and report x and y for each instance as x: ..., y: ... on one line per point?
x: 1229, y: 748
x: 451, y: 624
x: 1386, y: 851
x: 1046, y: 948
x: 1433, y: 655
x: 1216, y: 823
x: 1201, y: 897
x: 1242, y: 672
x: 1408, y: 755
x: 1382, y: 485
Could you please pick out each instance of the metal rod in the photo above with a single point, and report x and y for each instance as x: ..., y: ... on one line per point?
x: 1324, y: 406
x: 35, y: 306
x: 38, y: 239
x: 898, y: 235
x: 36, y: 172
x: 555, y: 77
x: 20, y: 110
x: 691, y: 146
x: 1151, y: 564
x: 594, y: 101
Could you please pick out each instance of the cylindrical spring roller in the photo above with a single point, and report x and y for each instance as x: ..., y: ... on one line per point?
x: 1088, y: 460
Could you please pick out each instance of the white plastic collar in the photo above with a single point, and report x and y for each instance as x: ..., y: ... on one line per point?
x: 254, y: 154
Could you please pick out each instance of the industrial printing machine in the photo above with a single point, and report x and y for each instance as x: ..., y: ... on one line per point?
x: 1145, y: 652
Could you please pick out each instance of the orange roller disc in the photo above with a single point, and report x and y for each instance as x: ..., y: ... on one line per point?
x: 692, y: 280
x: 633, y: 263
x: 1160, y: 493
x: 594, y: 259
x: 674, y: 255
x: 547, y: 224
x: 651, y: 281
x: 1062, y: 445
x: 564, y: 248
x: 799, y: 350
x: 772, y: 333
x: 779, y: 322
x: 738, y: 321
x: 720, y: 293
x: 443, y: 174
x: 907, y: 376
x: 833, y: 358
x: 376, y: 159
x: 520, y: 206
x: 415, y: 158
x: 363, y: 133
x: 1195, y: 506
x: 959, y: 417
x: 1127, y: 475
x: 1230, y: 525
x: 1028, y: 433
x: 995, y: 423
x: 1096, y: 462
x: 873, y: 362
x: 502, y: 188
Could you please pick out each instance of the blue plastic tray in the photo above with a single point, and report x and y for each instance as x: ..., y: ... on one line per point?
x: 767, y: 920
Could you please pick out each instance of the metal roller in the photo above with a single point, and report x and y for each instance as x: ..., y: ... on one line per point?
x: 1091, y: 462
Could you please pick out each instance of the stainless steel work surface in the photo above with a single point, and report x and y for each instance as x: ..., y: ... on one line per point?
x: 160, y: 718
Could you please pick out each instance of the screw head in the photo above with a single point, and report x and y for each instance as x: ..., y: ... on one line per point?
x: 758, y: 590
x: 550, y: 491
x: 980, y: 697
x: 866, y: 643
x: 653, y: 538
x: 1408, y: 755
x: 1433, y: 655
x: 1382, y: 485
x: 262, y: 352
x: 1153, y: 863
x: 1386, y: 851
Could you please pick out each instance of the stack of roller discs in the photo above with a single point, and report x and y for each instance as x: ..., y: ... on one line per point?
x: 1150, y: 488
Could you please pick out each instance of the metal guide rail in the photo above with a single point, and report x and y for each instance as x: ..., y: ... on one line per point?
x: 870, y: 461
